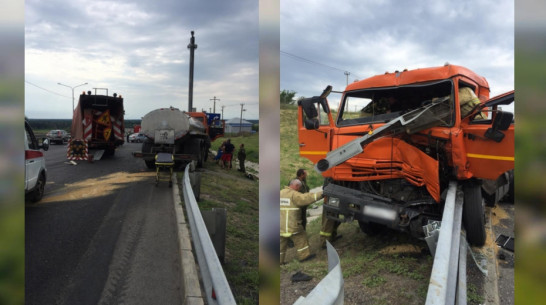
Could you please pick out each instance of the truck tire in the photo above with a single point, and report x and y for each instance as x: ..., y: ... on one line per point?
x: 38, y: 192
x: 197, y: 149
x: 370, y: 228
x: 473, y: 214
x: 109, y: 151
x: 147, y: 148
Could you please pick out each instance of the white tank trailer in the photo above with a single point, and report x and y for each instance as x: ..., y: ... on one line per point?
x: 173, y: 131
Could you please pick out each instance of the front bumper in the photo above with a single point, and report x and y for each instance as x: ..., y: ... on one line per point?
x: 353, y: 204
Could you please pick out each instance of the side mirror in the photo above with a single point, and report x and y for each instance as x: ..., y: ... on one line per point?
x: 312, y: 123
x: 45, y: 144
x: 308, y: 107
x: 501, y: 122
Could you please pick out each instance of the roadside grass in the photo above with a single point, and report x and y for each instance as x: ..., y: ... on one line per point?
x: 239, y: 196
x: 251, y: 146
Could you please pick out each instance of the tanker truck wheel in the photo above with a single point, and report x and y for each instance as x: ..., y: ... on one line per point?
x: 473, y: 214
x: 147, y: 148
x: 197, y: 149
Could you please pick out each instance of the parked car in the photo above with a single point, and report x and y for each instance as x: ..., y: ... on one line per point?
x: 137, y: 137
x: 35, y: 167
x: 58, y: 136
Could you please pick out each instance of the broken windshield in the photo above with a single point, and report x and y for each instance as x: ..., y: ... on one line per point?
x: 380, y: 105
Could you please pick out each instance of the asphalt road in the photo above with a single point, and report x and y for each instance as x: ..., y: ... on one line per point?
x: 102, y: 234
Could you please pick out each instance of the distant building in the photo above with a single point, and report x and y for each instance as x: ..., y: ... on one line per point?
x: 235, y: 125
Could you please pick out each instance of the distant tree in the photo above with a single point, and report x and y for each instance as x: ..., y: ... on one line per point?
x: 287, y: 97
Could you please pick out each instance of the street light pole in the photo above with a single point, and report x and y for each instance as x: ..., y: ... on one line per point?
x: 72, y: 92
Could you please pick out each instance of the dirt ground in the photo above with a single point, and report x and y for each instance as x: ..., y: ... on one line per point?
x: 394, y: 268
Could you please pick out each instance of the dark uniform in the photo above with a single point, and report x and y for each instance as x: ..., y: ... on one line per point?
x: 376, y: 107
x: 303, y: 189
x: 328, y: 230
x: 241, y: 155
x: 290, y: 221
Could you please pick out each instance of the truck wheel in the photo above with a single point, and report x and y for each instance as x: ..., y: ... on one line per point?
x: 150, y: 164
x: 109, y: 151
x: 370, y: 228
x: 197, y: 149
x: 38, y: 191
x: 147, y: 148
x: 473, y: 214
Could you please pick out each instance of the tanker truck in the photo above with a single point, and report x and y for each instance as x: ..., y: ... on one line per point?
x: 185, y: 135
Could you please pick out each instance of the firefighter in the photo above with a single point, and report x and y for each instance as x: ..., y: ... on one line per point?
x: 328, y: 230
x: 301, y: 175
x: 290, y: 220
x: 468, y: 102
x: 378, y: 106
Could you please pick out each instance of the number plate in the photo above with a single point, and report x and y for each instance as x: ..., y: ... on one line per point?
x: 378, y: 212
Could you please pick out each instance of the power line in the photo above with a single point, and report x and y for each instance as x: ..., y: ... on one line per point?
x: 26, y: 81
x: 316, y: 63
x: 240, y: 104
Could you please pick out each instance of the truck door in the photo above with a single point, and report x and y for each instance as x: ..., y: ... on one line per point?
x: 489, y: 143
x: 314, y: 128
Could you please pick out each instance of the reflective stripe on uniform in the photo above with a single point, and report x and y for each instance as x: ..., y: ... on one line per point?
x: 303, y: 248
x: 325, y: 234
x: 286, y: 234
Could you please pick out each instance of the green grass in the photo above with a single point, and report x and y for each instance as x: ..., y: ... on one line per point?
x: 239, y: 196
x: 251, y: 146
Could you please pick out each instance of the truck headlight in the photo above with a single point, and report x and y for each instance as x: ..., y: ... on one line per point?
x: 333, y: 202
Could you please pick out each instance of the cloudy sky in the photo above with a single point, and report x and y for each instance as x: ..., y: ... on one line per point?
x: 320, y: 40
x: 139, y: 49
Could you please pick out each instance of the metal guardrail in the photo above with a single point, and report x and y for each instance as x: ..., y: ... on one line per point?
x: 448, y: 279
x: 329, y: 290
x: 215, y: 284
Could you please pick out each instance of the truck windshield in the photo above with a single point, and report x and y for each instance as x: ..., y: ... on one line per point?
x: 380, y: 105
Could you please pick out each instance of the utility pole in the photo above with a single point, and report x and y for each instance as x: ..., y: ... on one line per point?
x: 192, y: 46
x: 214, y: 107
x: 347, y: 73
x: 241, y: 119
x: 222, y: 113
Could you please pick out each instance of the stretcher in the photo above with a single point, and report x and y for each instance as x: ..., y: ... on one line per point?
x: 164, y: 164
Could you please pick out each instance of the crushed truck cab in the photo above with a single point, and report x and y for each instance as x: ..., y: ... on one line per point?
x: 397, y: 140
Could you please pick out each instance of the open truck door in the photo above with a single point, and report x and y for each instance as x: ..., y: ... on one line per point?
x: 490, y: 142
x: 314, y: 126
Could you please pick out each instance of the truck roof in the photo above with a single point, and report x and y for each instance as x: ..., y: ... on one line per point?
x: 406, y: 77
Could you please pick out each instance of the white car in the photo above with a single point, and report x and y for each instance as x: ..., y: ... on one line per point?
x: 35, y: 167
x: 137, y: 137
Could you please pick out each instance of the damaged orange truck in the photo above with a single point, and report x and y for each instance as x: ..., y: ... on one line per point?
x: 397, y: 140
